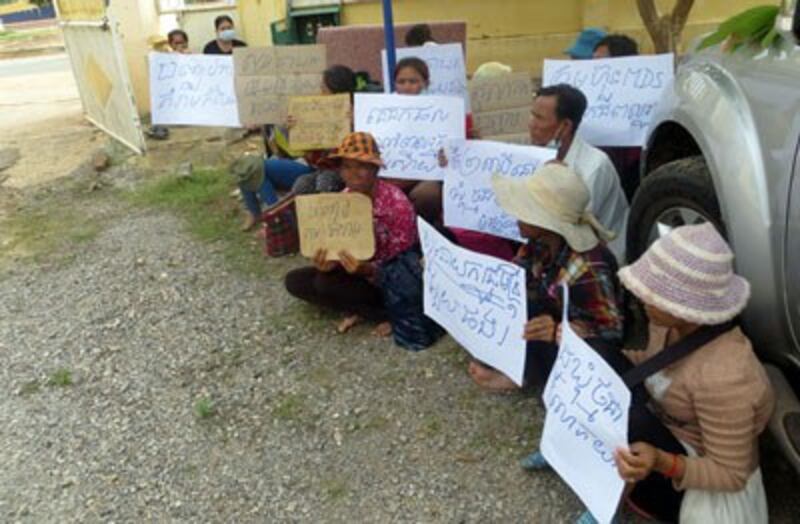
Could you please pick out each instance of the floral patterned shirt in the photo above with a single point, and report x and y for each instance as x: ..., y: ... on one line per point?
x: 394, y: 220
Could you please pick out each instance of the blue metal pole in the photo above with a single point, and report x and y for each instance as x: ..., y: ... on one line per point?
x: 388, y: 31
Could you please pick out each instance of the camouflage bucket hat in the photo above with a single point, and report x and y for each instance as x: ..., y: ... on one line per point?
x: 248, y: 171
x: 359, y: 146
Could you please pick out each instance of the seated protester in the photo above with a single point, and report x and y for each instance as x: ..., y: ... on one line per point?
x: 556, y: 115
x: 693, y: 455
x: 349, y: 285
x: 474, y: 240
x: 412, y: 77
x: 226, y: 38
x: 565, y: 246
x: 178, y: 41
x: 284, y: 173
x: 583, y: 48
x: 420, y: 35
x: 625, y: 159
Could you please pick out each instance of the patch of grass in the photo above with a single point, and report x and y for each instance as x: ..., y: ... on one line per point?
x: 431, y: 426
x: 46, y: 232
x: 289, y: 407
x: 204, y: 408
x: 334, y: 489
x: 30, y: 388
x: 60, y: 378
x: 212, y: 215
x: 30, y: 34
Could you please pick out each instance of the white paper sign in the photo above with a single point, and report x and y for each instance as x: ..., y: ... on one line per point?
x: 587, y: 419
x: 195, y: 90
x: 445, y: 64
x: 469, y: 201
x: 410, y: 130
x: 480, y: 300
x: 623, y: 94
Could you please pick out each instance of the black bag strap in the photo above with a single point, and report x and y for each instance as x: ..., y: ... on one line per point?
x: 674, y: 353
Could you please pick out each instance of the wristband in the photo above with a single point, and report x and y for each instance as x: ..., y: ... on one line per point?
x: 673, y: 470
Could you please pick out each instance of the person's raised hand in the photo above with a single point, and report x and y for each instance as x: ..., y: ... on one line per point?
x: 321, y: 262
x: 540, y: 329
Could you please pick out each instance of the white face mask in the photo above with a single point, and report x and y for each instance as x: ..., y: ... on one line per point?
x: 227, y: 35
x: 555, y: 142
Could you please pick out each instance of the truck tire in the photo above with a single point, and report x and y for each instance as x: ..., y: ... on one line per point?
x: 677, y: 193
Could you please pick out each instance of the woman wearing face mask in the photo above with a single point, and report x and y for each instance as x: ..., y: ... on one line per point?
x: 412, y: 77
x: 226, y: 38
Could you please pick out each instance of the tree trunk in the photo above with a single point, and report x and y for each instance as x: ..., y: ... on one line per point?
x: 665, y: 30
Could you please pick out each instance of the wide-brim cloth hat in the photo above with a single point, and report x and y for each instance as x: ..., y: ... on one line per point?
x: 689, y: 274
x: 583, y: 48
x: 554, y: 198
x: 359, y: 146
x: 248, y: 171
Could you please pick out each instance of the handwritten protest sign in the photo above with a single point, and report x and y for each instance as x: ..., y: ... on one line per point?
x: 502, y: 107
x: 446, y: 65
x: 321, y: 121
x: 410, y: 130
x: 587, y: 419
x: 336, y: 222
x: 267, y: 76
x: 480, y: 300
x: 623, y: 94
x: 469, y: 201
x: 192, y: 90
x: 501, y: 92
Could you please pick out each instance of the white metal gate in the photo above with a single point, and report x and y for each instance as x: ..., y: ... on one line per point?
x: 100, y: 70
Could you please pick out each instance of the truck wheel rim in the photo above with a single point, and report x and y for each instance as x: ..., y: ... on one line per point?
x: 672, y: 218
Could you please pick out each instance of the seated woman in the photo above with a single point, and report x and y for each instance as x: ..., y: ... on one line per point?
x: 693, y: 455
x: 349, y: 284
x: 283, y: 173
x: 226, y: 38
x: 412, y: 77
x: 564, y: 246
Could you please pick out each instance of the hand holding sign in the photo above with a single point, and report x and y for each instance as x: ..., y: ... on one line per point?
x: 334, y: 223
x: 587, y: 420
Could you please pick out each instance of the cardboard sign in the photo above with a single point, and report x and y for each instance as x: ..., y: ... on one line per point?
x: 445, y: 64
x: 267, y: 76
x: 480, y: 300
x: 321, y: 122
x: 587, y: 420
x: 623, y: 94
x: 410, y: 130
x: 195, y: 90
x: 502, y: 107
x: 469, y: 201
x: 336, y: 222
x: 509, y: 91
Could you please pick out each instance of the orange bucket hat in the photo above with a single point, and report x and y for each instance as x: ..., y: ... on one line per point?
x: 359, y: 146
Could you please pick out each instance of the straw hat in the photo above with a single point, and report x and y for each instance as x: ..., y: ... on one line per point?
x: 359, y: 146
x: 689, y: 274
x: 554, y: 198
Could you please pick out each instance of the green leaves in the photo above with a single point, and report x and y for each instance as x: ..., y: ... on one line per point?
x: 755, y: 26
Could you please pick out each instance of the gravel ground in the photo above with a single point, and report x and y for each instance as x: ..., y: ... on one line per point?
x: 306, y: 426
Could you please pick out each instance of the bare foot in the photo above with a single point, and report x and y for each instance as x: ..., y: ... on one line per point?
x: 348, y: 323
x: 490, y: 379
x: 249, y: 223
x: 383, y: 330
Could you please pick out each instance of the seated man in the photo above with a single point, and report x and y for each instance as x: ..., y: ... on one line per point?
x: 555, y: 118
x: 565, y: 246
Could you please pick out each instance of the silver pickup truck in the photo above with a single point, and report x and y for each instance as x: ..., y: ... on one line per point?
x: 726, y: 149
